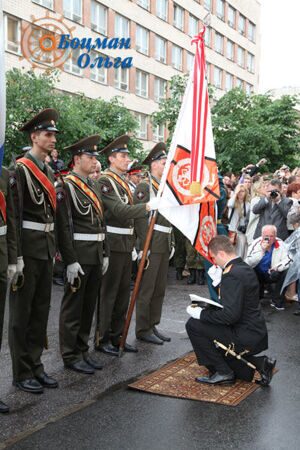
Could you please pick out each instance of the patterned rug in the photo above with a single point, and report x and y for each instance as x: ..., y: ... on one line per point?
x: 177, y: 379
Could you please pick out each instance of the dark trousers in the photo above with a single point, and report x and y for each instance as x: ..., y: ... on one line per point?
x: 3, y: 285
x: 76, y: 314
x: 29, y: 311
x: 152, y: 292
x: 202, y: 336
x: 275, y: 281
x: 114, y: 298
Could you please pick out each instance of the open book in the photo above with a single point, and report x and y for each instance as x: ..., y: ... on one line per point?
x: 203, y: 302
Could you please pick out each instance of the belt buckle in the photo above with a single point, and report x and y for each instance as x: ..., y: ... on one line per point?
x: 47, y: 228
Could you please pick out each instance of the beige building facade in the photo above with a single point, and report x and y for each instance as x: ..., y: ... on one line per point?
x: 160, y: 33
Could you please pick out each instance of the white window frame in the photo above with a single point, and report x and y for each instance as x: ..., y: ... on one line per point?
x: 159, y: 133
x: 219, y: 38
x: 207, y: 4
x: 178, y: 17
x: 158, y: 54
x: 248, y: 88
x: 189, y: 61
x: 229, y: 21
x: 220, y: 72
x: 228, y: 76
x: 242, y: 19
x: 71, y: 66
x: 250, y: 62
x: 176, y: 57
x: 162, y: 9
x: 230, y: 55
x: 207, y: 37
x: 144, y: 4
x: 207, y: 72
x: 121, y: 79
x: 99, y: 75
x: 142, y: 78
x: 220, y: 12
x: 251, y: 35
x: 17, y: 44
x: 42, y: 3
x: 142, y: 132
x: 119, y: 19
x: 101, y: 10
x: 242, y: 51
x: 193, y: 25
x: 160, y: 86
x: 71, y: 14
x: 239, y: 83
x: 140, y: 35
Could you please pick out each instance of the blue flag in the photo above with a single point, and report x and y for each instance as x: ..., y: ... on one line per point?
x: 2, y: 88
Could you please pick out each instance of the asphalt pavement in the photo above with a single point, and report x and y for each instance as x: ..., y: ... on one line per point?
x: 93, y: 412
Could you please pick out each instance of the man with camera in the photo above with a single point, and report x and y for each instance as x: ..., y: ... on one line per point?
x: 269, y: 258
x: 273, y: 210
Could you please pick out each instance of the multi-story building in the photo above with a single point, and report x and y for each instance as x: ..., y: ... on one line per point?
x: 160, y: 33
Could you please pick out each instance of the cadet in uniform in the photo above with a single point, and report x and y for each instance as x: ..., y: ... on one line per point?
x: 8, y: 248
x: 83, y: 246
x: 153, y: 285
x: 119, y: 213
x: 134, y: 176
x: 239, y: 323
x: 195, y: 264
x: 33, y: 187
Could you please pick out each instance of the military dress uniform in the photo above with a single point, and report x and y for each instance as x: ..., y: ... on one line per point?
x: 119, y: 213
x: 153, y: 285
x: 81, y: 238
x: 35, y: 204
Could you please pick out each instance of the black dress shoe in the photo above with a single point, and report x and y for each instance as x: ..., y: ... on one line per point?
x: 160, y: 335
x: 217, y: 378
x: 297, y: 313
x: 108, y: 348
x: 31, y: 385
x: 151, y: 339
x: 3, y: 408
x: 47, y: 381
x: 81, y: 366
x: 91, y: 362
x: 266, y: 371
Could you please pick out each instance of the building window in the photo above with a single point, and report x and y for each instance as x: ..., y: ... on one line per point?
x: 248, y: 88
x: 250, y: 62
x: 141, y: 84
x: 207, y: 37
x: 12, y: 34
x: 220, y: 9
x: 230, y: 50
x: 241, y: 57
x: 159, y: 133
x: 121, y: 27
x: 73, y: 10
x: 189, y: 61
x: 160, y: 87
x: 45, y: 3
x: 251, y: 31
x: 144, y: 4
x: 208, y: 65
x: 193, y: 25
x: 160, y: 49
x: 242, y: 24
x: 162, y: 9
x: 98, y: 17
x: 142, y: 132
x: 239, y: 83
x: 71, y: 64
x: 207, y: 4
x: 178, y: 17
x: 98, y: 74
x: 177, y: 57
x: 219, y: 43
x: 231, y: 16
x: 142, y: 40
x: 228, y: 82
x: 218, y: 77
x: 122, y: 79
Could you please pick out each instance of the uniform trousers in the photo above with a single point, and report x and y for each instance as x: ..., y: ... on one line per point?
x: 202, y: 336
x: 3, y: 285
x: 76, y: 314
x: 28, y: 318
x: 114, y: 298
x: 151, y: 294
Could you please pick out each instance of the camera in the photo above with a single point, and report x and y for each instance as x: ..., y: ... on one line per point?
x: 267, y: 239
x: 242, y: 229
x: 274, y: 194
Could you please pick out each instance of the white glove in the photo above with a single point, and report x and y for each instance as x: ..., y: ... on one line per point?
x: 172, y: 252
x: 105, y: 264
x: 194, y: 311
x: 134, y: 255
x: 153, y: 204
x: 140, y: 255
x: 20, y: 264
x: 72, y: 272
x: 11, y: 270
x: 215, y: 273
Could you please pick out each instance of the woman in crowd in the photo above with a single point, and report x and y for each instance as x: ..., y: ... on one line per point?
x: 238, y: 214
x: 258, y: 191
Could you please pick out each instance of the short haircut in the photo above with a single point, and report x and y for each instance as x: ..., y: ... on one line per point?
x: 276, y: 182
x: 269, y: 226
x: 221, y: 243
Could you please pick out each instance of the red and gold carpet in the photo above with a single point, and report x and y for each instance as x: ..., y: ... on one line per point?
x: 177, y: 379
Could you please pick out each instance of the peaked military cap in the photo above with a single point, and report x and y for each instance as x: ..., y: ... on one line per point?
x: 43, y: 121
x: 118, y: 145
x: 87, y: 145
x: 134, y: 169
x: 158, y: 152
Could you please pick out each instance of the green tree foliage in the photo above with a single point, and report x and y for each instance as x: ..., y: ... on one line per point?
x: 80, y: 116
x: 246, y: 128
